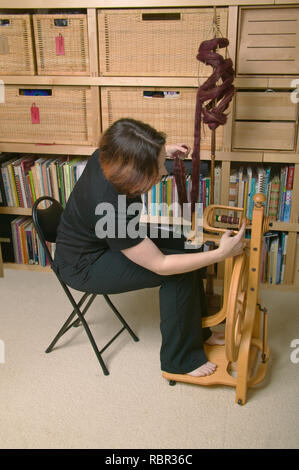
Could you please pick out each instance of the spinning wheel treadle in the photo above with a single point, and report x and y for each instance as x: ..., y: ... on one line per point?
x: 236, y: 307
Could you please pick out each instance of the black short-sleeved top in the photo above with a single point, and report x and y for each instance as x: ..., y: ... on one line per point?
x: 89, y: 227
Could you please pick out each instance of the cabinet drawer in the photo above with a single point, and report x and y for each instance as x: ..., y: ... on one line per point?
x: 61, y: 43
x: 271, y: 106
x: 55, y: 115
x: 264, y: 135
x: 156, y: 42
x: 168, y: 110
x: 268, y: 41
x: 16, y: 51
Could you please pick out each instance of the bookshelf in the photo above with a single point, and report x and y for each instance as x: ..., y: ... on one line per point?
x: 226, y: 157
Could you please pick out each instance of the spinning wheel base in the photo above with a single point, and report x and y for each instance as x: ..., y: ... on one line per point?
x: 215, y: 354
x: 226, y: 372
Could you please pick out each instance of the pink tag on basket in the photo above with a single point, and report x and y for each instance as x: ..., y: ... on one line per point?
x: 34, y: 114
x: 59, y: 41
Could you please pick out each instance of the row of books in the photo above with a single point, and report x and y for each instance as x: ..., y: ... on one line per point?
x: 275, y: 182
x: 273, y: 257
x: 162, y: 199
x: 24, y: 178
x: 27, y: 249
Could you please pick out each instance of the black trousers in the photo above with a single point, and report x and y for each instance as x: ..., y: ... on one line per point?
x: 182, y: 300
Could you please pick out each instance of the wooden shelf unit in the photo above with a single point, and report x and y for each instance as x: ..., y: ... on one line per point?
x: 245, y: 82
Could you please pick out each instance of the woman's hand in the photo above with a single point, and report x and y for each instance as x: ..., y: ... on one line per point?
x: 232, y: 246
x: 171, y: 149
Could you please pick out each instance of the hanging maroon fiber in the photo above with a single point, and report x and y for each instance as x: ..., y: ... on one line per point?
x: 212, y: 114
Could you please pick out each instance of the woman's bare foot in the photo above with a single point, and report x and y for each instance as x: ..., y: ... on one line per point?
x: 216, y: 338
x: 206, y: 369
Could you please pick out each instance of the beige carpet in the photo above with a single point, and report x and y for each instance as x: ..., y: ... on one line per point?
x: 62, y: 399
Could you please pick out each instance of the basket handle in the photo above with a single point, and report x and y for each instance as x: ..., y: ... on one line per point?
x: 161, y: 16
x: 60, y: 22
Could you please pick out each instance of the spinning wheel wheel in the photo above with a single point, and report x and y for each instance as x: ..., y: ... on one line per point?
x: 236, y: 307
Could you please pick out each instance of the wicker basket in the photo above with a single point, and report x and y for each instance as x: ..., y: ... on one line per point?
x: 61, y: 44
x: 160, y: 42
x: 63, y: 116
x: 16, y: 51
x: 172, y: 114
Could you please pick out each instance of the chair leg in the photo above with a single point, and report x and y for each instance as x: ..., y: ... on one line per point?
x: 121, y: 319
x: 92, y: 341
x: 66, y: 325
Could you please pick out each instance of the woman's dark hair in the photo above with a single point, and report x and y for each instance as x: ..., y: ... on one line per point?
x: 128, y: 154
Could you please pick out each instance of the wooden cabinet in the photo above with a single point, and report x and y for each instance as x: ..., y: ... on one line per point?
x: 268, y: 41
x: 265, y: 121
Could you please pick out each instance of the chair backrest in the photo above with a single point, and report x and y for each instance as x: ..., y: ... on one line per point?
x: 46, y: 221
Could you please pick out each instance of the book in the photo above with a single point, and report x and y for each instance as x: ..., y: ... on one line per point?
x: 14, y: 191
x: 282, y: 189
x: 54, y: 181
x: 29, y: 242
x: 18, y: 181
x: 261, y: 181
x: 249, y: 177
x: 245, y: 197
x: 217, y: 185
x: 240, y: 187
x: 274, y: 198
x: 24, y: 168
x: 252, y: 193
x: 233, y: 191
x: 279, y: 259
x: 287, y: 206
x: 4, y: 158
x: 290, y: 177
x: 284, y: 255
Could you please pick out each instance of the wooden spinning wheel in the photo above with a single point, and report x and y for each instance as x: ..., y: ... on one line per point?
x: 246, y: 351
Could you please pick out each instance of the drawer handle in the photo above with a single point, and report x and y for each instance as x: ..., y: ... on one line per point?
x: 60, y: 22
x: 161, y: 94
x: 34, y: 92
x: 161, y: 16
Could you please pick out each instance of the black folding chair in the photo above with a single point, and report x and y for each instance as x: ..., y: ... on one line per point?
x: 46, y: 221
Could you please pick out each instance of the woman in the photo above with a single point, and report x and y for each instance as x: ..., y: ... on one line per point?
x: 97, y: 251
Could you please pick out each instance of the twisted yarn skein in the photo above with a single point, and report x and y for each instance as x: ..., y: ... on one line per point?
x: 212, y: 114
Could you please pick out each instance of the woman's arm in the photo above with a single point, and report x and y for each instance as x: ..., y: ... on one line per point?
x: 148, y: 255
